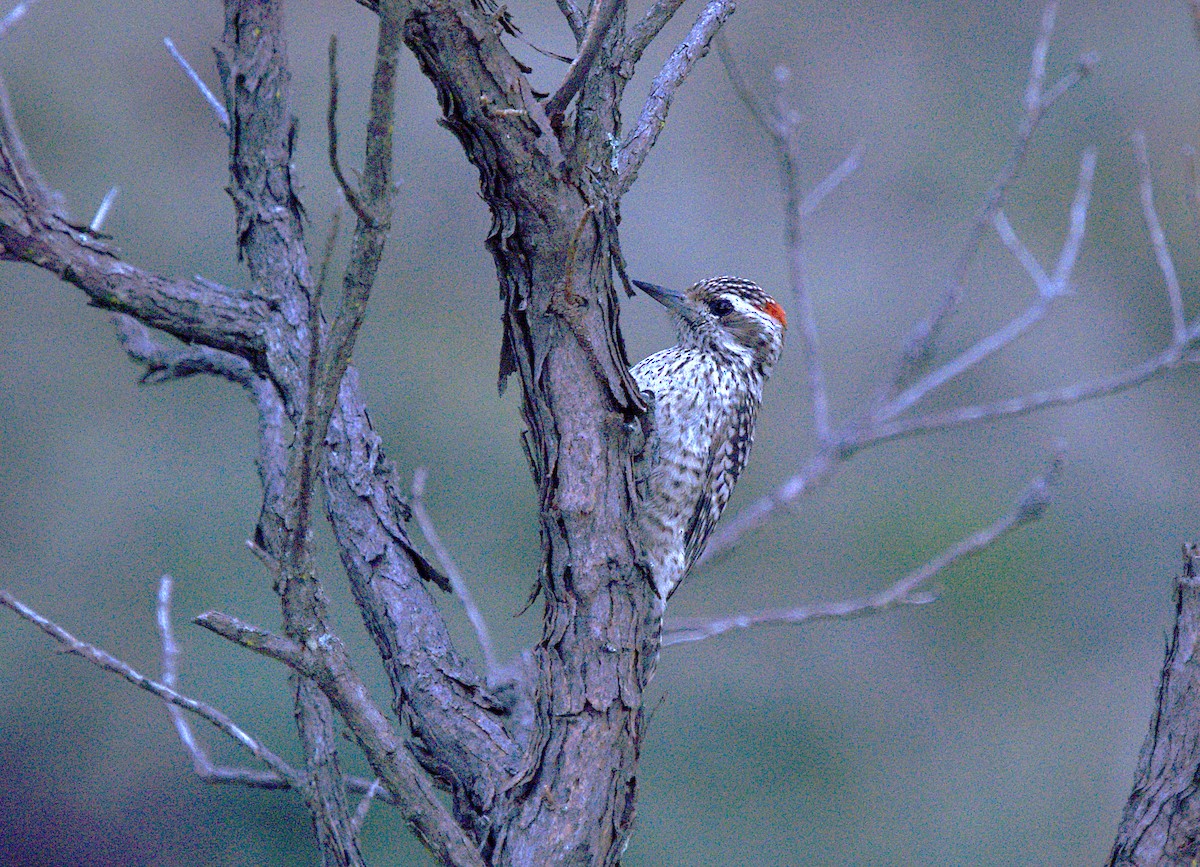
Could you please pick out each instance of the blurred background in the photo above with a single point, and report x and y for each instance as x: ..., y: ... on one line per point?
x: 999, y: 725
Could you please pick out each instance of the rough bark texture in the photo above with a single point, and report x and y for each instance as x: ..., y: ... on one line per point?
x: 1161, y: 823
x: 540, y: 766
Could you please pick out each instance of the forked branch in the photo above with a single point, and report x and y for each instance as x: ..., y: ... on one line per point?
x: 112, y: 664
x: 908, y: 590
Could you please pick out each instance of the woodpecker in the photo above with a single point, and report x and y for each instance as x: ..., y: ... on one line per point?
x: 703, y: 395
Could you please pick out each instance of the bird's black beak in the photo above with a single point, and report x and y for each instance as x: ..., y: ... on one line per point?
x: 672, y: 299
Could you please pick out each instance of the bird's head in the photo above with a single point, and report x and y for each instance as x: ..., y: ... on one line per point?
x: 727, y: 315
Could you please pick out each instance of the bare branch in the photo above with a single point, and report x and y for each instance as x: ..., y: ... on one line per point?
x: 163, y: 364
x: 34, y: 196
x: 103, y: 660
x: 327, y: 664
x: 919, y: 348
x: 1170, y: 358
x: 364, y: 806
x: 1048, y: 290
x: 644, y: 32
x: 1158, y: 240
x: 599, y: 20
x: 263, y: 642
x: 848, y: 166
x: 331, y: 125
x: 575, y: 19
x: 215, y: 104
x: 679, y: 65
x: 906, y: 591
x: 780, y: 125
x: 14, y: 15
x: 457, y: 582
x: 102, y: 212
x: 202, y: 764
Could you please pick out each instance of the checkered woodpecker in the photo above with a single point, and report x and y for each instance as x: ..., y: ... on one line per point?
x: 704, y: 394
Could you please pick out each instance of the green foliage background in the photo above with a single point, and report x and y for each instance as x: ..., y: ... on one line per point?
x: 997, y: 726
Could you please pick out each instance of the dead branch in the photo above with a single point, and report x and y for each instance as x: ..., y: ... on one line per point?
x: 457, y: 582
x: 905, y: 591
x: 112, y: 664
x: 636, y: 147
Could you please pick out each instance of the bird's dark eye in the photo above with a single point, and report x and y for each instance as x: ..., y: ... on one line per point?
x: 720, y: 306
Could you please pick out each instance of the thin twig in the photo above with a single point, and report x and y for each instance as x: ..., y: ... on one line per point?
x: 37, y: 200
x: 215, y: 104
x: 906, y: 591
x: 1170, y: 358
x: 679, y: 66
x: 780, y: 127
x: 848, y: 166
x: 919, y: 348
x: 599, y: 20
x: 110, y: 663
x: 324, y: 659
x: 14, y: 15
x: 457, y: 583
x: 102, y: 212
x: 1158, y: 239
x: 1049, y: 288
x: 331, y: 125
x: 364, y: 806
x: 202, y: 764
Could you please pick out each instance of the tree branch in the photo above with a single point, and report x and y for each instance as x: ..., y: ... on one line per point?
x: 646, y: 30
x: 906, y: 591
x: 457, y: 582
x: 781, y: 127
x: 194, y: 77
x: 599, y: 20
x: 326, y: 662
x: 110, y: 663
x: 679, y: 65
x: 920, y: 346
x: 1158, y: 240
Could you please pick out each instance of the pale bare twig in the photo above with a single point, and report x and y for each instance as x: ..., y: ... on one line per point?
x: 215, y: 104
x: 634, y: 149
x: 364, y: 806
x: 781, y: 125
x: 203, y: 765
x: 848, y: 166
x: 1158, y: 239
x: 14, y: 15
x: 906, y: 591
x: 325, y: 661
x: 1048, y: 288
x: 457, y: 583
x: 919, y: 348
x: 1170, y: 358
x: 892, y: 416
x: 102, y: 212
x: 110, y: 663
x: 598, y: 22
